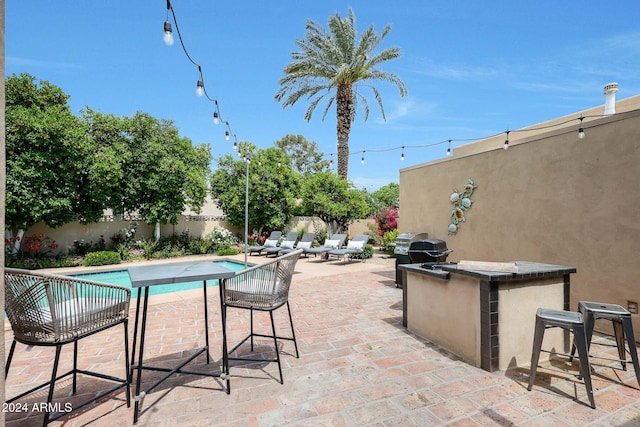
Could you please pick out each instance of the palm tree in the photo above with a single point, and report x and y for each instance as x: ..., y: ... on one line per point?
x: 338, y: 60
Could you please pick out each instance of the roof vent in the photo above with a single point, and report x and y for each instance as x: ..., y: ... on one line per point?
x: 610, y: 98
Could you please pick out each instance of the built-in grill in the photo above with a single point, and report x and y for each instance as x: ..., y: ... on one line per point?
x: 428, y: 251
x: 401, y: 251
x: 403, y: 241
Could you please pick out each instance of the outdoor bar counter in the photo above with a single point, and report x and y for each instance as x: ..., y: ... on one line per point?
x: 486, y: 318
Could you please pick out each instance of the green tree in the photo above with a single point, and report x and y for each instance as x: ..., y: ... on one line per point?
x: 304, y: 154
x: 273, y: 186
x: 333, y: 199
x: 337, y: 60
x: 388, y: 196
x: 165, y: 172
x: 108, y: 153
x: 46, y: 147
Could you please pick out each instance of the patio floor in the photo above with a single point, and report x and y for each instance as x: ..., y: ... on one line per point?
x: 358, y: 366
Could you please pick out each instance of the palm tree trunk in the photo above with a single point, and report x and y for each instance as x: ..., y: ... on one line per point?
x: 344, y: 116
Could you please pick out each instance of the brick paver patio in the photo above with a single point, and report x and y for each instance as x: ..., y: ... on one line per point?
x: 358, y: 367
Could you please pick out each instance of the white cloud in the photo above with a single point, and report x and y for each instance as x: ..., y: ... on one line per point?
x: 456, y: 72
x: 16, y: 61
x: 407, y: 108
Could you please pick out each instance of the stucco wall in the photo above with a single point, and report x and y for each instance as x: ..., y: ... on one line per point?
x: 550, y: 198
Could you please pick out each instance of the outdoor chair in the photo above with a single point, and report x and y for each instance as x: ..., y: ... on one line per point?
x: 334, y: 242
x: 288, y: 243
x: 53, y: 310
x: 354, y: 247
x: 304, y: 244
x: 265, y: 288
x: 271, y: 242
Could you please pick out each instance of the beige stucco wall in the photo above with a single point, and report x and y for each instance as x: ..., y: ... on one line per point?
x: 194, y: 225
x: 518, y: 303
x: 446, y: 312
x: 550, y: 197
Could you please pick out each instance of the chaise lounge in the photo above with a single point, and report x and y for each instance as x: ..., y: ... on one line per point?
x: 304, y: 244
x: 334, y: 242
x: 271, y: 242
x: 354, y: 247
x: 288, y: 243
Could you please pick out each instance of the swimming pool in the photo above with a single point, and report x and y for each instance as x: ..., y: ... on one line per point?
x: 121, y: 277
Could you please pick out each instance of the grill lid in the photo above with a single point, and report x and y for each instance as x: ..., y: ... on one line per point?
x: 404, y: 240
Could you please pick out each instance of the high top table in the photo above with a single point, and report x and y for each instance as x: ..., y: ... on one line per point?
x: 144, y: 277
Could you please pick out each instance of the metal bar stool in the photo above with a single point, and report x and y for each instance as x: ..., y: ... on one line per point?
x: 622, y: 326
x: 569, y: 320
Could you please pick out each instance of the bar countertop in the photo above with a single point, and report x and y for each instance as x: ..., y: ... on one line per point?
x: 526, y: 270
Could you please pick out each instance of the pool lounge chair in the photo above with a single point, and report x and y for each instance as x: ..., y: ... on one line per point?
x: 304, y: 243
x: 288, y: 242
x: 334, y: 242
x: 354, y: 247
x: 272, y: 241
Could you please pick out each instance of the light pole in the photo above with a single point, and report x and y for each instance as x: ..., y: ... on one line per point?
x: 247, y: 160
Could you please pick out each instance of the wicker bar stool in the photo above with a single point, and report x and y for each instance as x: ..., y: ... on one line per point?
x: 622, y: 327
x: 569, y: 320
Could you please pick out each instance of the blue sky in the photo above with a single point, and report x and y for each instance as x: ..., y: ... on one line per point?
x: 472, y: 68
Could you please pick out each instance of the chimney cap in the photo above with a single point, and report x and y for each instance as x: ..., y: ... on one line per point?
x: 610, y: 88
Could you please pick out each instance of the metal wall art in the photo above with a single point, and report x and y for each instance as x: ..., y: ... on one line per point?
x: 460, y: 204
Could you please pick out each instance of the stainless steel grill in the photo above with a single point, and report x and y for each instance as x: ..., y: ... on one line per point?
x: 401, y: 252
x: 403, y: 241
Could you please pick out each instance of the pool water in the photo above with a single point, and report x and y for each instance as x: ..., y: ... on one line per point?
x: 121, y: 277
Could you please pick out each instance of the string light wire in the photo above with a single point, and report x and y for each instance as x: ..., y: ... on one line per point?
x: 200, y: 86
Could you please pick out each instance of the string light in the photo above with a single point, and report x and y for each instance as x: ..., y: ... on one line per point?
x: 201, y: 89
x: 450, y: 141
x: 362, y: 160
x: 402, y: 155
x: 331, y: 161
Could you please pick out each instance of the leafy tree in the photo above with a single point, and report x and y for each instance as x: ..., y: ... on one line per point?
x: 333, y: 199
x: 304, y: 154
x: 165, y: 172
x: 108, y: 154
x: 338, y: 60
x: 46, y: 147
x: 388, y: 196
x: 272, y: 188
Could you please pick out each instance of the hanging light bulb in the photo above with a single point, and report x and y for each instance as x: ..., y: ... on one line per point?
x: 216, y: 118
x: 199, y: 88
x: 362, y: 160
x: 581, y: 129
x: 402, y: 155
x: 168, y: 34
x: 331, y: 161
x: 506, y: 142
x: 235, y: 145
x: 449, y: 149
x: 226, y: 135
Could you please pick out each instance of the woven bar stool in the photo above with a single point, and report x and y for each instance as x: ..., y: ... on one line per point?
x: 622, y: 326
x: 569, y: 320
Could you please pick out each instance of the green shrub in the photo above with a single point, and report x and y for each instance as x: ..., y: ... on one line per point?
x: 148, y: 247
x: 366, y: 254
x: 221, y: 238
x: 199, y: 246
x: 228, y: 251
x: 388, y: 239
x: 101, y: 258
